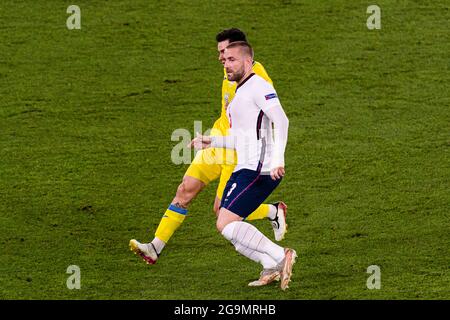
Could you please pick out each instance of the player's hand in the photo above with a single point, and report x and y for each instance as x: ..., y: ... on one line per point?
x: 200, y: 142
x: 277, y: 173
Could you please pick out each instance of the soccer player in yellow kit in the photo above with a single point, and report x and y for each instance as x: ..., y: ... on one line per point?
x: 209, y: 165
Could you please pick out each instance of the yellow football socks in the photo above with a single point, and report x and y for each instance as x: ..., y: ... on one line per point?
x: 260, y: 213
x: 170, y: 222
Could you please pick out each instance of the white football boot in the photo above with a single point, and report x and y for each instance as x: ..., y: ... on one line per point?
x: 285, y: 267
x: 266, y: 276
x: 279, y: 222
x: 145, y: 250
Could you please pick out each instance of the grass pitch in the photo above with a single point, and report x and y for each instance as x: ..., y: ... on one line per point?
x: 87, y: 115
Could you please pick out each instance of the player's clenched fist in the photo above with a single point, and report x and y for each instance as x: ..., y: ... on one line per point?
x: 277, y: 173
x: 200, y: 142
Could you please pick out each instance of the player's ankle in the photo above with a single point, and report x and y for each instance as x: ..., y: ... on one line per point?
x: 272, y: 214
x: 158, y: 244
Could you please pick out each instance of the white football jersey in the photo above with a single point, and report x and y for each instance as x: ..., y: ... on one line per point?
x: 250, y: 127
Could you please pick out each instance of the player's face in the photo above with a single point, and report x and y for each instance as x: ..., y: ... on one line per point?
x: 234, y: 64
x: 221, y: 48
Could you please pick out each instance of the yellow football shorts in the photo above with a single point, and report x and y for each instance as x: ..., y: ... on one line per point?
x: 212, y: 163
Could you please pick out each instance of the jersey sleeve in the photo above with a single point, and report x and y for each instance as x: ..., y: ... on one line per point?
x: 280, y: 135
x: 227, y: 142
x: 265, y: 96
x: 266, y: 99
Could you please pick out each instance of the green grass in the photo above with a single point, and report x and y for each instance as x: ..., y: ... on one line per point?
x: 86, y: 119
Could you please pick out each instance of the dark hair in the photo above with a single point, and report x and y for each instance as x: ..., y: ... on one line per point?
x: 245, y: 47
x: 232, y: 35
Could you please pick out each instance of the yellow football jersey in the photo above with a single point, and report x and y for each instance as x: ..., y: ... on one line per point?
x: 228, y: 92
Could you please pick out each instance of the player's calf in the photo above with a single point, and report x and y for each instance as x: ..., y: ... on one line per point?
x: 176, y: 213
x: 187, y: 191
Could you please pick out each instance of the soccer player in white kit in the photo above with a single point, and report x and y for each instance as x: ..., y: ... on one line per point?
x: 260, y: 164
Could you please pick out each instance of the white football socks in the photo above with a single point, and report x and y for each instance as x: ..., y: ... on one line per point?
x: 272, y: 212
x: 262, y: 258
x: 248, y: 236
x: 158, y: 244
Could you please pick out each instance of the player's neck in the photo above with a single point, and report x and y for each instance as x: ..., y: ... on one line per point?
x: 245, y: 77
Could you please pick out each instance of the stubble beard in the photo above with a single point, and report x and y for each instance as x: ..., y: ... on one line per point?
x: 237, y: 76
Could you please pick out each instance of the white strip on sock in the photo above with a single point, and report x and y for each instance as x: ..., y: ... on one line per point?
x: 159, y: 244
x: 250, y: 237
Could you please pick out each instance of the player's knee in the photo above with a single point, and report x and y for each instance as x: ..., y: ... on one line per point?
x: 222, y: 221
x: 220, y: 225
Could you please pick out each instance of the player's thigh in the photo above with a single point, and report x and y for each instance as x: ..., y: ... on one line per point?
x: 204, y: 167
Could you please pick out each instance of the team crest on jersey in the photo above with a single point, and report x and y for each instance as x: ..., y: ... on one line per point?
x: 270, y: 96
x: 226, y: 97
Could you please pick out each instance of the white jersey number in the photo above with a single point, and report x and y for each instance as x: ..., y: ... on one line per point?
x: 233, y: 186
